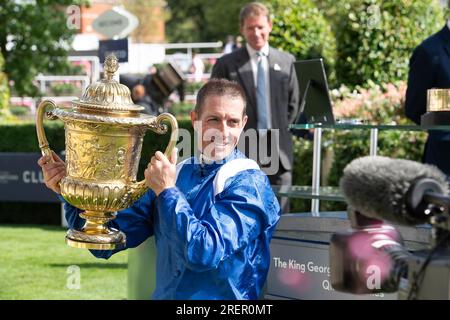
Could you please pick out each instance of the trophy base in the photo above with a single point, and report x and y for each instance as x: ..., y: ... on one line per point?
x: 435, y: 118
x: 114, y: 239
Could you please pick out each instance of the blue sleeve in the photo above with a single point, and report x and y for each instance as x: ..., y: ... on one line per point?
x: 136, y: 222
x: 72, y: 215
x: 420, y: 79
x: 244, y: 211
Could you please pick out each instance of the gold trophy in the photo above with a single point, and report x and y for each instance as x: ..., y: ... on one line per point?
x: 438, y: 108
x: 104, y: 133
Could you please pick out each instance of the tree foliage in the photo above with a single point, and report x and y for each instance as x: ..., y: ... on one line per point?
x: 301, y: 29
x: 148, y: 18
x: 202, y: 21
x: 34, y: 38
x: 375, y: 38
x: 4, y: 90
x: 361, y: 41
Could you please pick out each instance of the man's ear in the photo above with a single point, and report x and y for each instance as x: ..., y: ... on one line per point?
x: 244, y: 121
x: 195, y: 121
x: 194, y: 117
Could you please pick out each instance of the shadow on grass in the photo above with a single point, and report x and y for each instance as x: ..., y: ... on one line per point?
x: 90, y: 265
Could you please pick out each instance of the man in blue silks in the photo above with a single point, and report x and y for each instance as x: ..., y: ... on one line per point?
x: 212, y: 215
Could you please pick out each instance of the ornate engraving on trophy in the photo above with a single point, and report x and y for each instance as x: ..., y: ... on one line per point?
x: 104, y: 133
x: 110, y: 160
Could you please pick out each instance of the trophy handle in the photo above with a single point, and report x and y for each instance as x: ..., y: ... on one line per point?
x: 173, y: 134
x: 139, y: 188
x: 42, y: 139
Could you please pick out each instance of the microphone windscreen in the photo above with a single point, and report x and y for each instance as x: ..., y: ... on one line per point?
x: 377, y: 187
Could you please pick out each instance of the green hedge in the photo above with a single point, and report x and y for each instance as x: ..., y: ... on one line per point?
x: 4, y: 90
x: 301, y: 29
x: 375, y: 38
x: 22, y: 137
x: 361, y: 41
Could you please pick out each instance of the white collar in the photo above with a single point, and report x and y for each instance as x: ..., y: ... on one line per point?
x: 252, y: 52
x: 448, y: 23
x: 205, y: 160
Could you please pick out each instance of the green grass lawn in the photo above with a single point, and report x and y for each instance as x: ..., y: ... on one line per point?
x: 35, y: 263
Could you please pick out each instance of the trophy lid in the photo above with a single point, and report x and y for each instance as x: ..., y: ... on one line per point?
x: 107, y: 95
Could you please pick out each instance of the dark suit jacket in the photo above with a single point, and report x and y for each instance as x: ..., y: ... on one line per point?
x: 430, y: 68
x: 284, y: 92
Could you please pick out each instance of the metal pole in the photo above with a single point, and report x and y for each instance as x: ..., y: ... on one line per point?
x: 373, y: 142
x: 190, y: 53
x: 42, y: 85
x: 316, y: 170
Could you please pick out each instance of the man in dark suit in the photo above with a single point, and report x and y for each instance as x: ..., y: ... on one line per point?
x: 270, y: 83
x: 430, y: 68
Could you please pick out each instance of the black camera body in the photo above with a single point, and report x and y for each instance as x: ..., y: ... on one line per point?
x: 162, y: 83
x: 158, y: 85
x: 360, y: 259
x: 372, y: 258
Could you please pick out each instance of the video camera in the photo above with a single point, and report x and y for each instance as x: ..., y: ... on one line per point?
x: 372, y: 257
x: 159, y: 85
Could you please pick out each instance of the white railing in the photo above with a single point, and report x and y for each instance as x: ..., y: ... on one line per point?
x: 24, y: 101
x: 31, y: 102
x: 95, y: 63
x: 206, y: 56
x: 43, y: 79
x: 184, y: 59
x: 191, y: 77
x: 192, y: 45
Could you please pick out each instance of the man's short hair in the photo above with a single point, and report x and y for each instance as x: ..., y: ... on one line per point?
x: 253, y: 9
x: 221, y: 88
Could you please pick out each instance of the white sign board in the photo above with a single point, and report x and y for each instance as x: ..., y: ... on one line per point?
x: 116, y: 23
x: 141, y: 56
